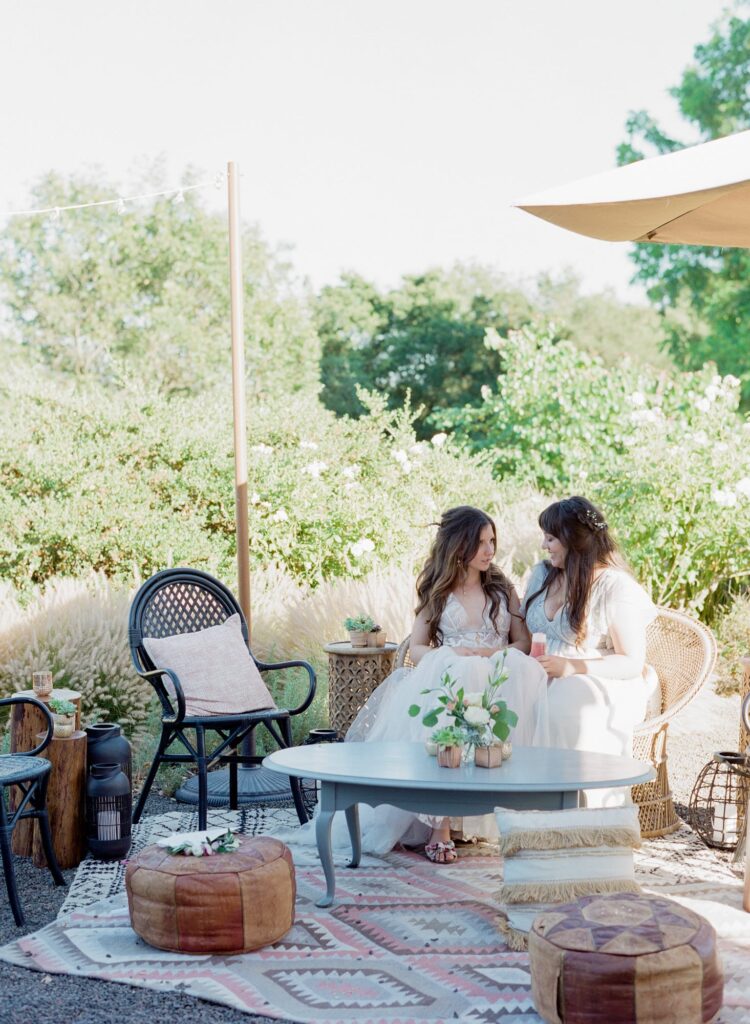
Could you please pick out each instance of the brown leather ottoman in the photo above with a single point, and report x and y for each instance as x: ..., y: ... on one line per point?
x: 225, y: 903
x: 623, y: 958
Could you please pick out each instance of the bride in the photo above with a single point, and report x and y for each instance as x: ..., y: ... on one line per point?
x: 468, y: 623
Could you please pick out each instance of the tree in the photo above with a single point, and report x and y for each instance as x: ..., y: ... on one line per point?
x: 98, y: 294
x: 703, y: 293
x: 425, y: 337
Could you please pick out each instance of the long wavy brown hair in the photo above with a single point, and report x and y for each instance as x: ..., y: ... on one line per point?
x: 581, y: 527
x: 456, y: 543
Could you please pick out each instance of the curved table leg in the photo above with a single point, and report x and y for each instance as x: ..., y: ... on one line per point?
x: 352, y: 823
x: 323, y: 838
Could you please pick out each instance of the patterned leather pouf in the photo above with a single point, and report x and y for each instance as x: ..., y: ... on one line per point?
x: 224, y: 903
x: 623, y: 958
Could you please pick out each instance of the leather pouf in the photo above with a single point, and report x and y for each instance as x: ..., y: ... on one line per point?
x: 224, y: 903
x: 623, y: 958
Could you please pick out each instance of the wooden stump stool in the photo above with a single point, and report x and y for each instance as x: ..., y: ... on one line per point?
x: 224, y: 904
x: 25, y: 722
x: 623, y: 958
x: 65, y: 801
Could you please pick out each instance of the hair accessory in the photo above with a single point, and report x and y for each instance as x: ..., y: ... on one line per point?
x: 591, y: 519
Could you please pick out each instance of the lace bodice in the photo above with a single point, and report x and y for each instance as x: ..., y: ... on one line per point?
x: 613, y: 594
x: 457, y: 633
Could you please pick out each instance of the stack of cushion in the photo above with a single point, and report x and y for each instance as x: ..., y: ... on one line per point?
x: 553, y: 857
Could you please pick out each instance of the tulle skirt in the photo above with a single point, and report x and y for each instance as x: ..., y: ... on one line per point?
x: 385, y: 716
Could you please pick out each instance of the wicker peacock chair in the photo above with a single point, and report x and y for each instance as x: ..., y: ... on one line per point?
x: 683, y: 654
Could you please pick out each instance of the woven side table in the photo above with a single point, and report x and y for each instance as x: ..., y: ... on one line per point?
x: 353, y: 674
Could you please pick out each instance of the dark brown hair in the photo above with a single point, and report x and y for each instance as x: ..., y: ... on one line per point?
x: 455, y: 545
x: 581, y: 527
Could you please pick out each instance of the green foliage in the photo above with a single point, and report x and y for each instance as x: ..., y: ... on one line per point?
x: 128, y: 484
x: 550, y: 408
x: 666, y: 455
x: 422, y: 339
x: 115, y: 297
x: 61, y: 707
x: 425, y: 339
x: 359, y: 624
x: 704, y: 291
x: 448, y: 736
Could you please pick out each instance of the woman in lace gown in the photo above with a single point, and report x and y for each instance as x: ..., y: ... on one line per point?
x: 467, y: 621
x: 594, y: 616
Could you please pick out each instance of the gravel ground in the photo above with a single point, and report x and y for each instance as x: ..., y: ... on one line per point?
x: 708, y: 724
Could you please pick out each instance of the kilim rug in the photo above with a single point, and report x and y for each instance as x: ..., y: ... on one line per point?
x: 405, y: 942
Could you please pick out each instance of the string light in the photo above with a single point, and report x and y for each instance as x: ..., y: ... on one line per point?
x: 178, y: 195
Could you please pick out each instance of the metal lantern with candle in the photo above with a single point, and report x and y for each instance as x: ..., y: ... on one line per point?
x: 108, y: 811
x: 718, y: 802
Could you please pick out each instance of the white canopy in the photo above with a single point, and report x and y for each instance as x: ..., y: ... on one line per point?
x: 697, y: 196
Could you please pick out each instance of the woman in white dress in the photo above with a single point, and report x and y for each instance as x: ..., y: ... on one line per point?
x: 594, y: 616
x: 467, y: 622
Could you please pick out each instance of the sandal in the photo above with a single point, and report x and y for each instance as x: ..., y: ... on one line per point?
x: 441, y: 853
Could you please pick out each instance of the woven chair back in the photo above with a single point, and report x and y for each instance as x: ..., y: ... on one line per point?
x: 179, y: 601
x: 683, y: 654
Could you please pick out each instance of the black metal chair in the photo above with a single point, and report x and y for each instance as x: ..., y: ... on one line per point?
x: 30, y: 774
x: 177, y: 601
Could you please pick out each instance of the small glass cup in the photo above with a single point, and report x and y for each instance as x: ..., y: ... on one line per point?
x: 538, y: 645
x: 42, y: 683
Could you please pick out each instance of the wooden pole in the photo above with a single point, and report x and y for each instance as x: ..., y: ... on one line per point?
x: 238, y: 390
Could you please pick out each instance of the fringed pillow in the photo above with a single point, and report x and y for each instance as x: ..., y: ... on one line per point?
x: 555, y: 857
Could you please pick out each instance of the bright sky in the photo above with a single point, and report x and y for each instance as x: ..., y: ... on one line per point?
x: 383, y: 136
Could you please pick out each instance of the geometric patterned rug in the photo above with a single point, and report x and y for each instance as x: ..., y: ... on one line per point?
x: 405, y: 941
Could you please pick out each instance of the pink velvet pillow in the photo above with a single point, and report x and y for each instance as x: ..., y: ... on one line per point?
x: 215, y: 669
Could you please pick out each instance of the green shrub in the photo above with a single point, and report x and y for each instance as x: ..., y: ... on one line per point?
x: 665, y: 454
x: 127, y: 484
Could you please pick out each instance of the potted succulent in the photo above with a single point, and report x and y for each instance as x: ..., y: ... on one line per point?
x: 358, y: 627
x: 450, y: 741
x: 376, y: 637
x: 63, y: 716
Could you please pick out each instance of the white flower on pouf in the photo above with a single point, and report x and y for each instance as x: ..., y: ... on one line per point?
x: 726, y: 499
x: 280, y: 516
x: 350, y: 471
x: 362, y: 546
x: 311, y: 445
x: 477, y: 716
x: 262, y: 449
x: 743, y: 487
x: 315, y: 468
x: 439, y: 439
x: 703, y: 405
x: 637, y: 398
x: 473, y: 700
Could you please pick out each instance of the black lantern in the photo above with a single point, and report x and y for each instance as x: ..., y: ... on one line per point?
x: 105, y: 744
x: 108, y: 811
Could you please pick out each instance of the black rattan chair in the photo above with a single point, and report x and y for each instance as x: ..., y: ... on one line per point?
x: 186, y: 601
x: 30, y: 774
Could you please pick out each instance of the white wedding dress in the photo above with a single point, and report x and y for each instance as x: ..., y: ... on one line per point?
x: 589, y: 712
x: 386, y: 717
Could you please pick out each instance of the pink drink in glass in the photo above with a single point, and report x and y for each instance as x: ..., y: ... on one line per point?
x: 538, y: 645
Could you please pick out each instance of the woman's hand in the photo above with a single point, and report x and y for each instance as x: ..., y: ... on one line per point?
x: 557, y: 667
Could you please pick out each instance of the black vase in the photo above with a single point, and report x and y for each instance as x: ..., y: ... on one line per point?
x: 108, y: 812
x: 105, y: 744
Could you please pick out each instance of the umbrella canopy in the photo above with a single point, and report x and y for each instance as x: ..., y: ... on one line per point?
x: 696, y: 196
